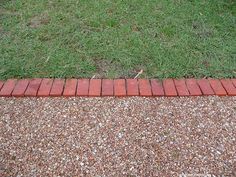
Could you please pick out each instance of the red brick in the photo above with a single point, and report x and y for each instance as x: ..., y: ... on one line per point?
x: 45, y: 87
x: 20, y: 88
x: 119, y: 87
x: 132, y: 87
x: 1, y: 84
x: 169, y: 87
x: 217, y: 87
x: 107, y: 87
x: 234, y: 82
x: 229, y: 87
x: 8, y: 87
x: 205, y: 87
x: 157, y: 88
x: 83, y: 87
x: 70, y: 87
x: 144, y: 87
x: 193, y: 87
x: 181, y: 87
x: 57, y: 87
x: 95, y: 87
x: 33, y: 87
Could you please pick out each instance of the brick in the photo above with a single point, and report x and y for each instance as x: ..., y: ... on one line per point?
x: 181, y: 87
x: 1, y: 84
x: 144, y: 87
x: 234, y: 82
x: 205, y: 87
x: 8, y: 88
x: 20, y: 88
x: 70, y: 87
x: 83, y: 87
x: 57, y: 87
x: 169, y: 87
x: 132, y: 87
x: 217, y: 87
x: 95, y: 87
x: 229, y: 87
x: 119, y: 87
x: 33, y: 87
x: 157, y: 88
x: 45, y: 87
x: 193, y: 87
x: 107, y: 87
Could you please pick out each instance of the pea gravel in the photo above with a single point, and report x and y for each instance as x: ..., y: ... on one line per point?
x: 128, y: 137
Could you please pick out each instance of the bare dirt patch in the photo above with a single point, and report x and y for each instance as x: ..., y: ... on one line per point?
x: 38, y: 21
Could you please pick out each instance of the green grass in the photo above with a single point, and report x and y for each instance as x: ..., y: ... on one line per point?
x: 117, y: 38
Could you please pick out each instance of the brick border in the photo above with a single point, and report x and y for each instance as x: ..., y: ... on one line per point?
x: 45, y: 87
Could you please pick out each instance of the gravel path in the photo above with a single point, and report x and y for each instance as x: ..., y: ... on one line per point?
x: 117, y: 137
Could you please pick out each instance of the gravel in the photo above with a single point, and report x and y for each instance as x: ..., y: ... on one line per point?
x: 104, y: 137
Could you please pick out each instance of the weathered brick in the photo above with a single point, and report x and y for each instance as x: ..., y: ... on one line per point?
x: 83, y: 87
x: 20, y: 88
x: 107, y: 87
x: 45, y: 87
x: 95, y: 87
x: 169, y: 88
x: 119, y: 87
x: 234, y: 82
x: 33, y: 87
x: 132, y: 87
x: 57, y: 87
x: 181, y: 87
x: 229, y: 87
x: 205, y: 87
x: 8, y: 88
x: 193, y: 87
x: 157, y: 88
x: 217, y: 87
x: 70, y: 87
x: 144, y: 87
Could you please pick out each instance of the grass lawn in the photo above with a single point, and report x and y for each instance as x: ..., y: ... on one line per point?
x: 117, y: 38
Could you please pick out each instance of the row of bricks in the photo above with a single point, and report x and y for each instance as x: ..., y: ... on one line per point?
x: 118, y: 87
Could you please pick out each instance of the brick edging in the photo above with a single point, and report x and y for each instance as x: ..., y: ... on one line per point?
x: 116, y: 87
